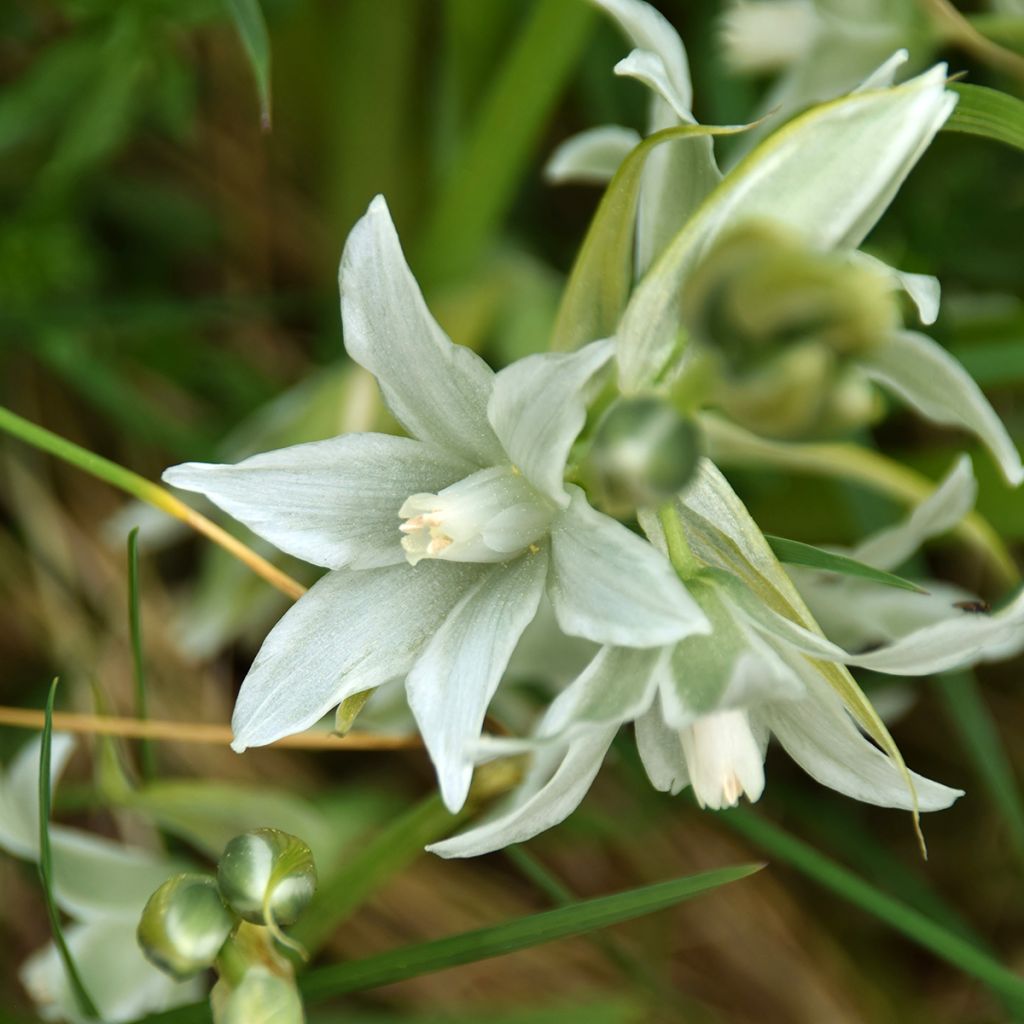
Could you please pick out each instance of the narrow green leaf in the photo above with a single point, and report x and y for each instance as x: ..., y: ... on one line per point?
x: 600, y: 280
x: 252, y: 30
x: 482, y: 184
x: 973, y: 721
x: 520, y: 933
x: 147, y: 754
x: 795, y: 552
x: 988, y: 113
x: 912, y: 923
x: 85, y: 1003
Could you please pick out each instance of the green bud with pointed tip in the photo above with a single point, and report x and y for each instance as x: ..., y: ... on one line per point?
x: 184, y: 925
x: 267, y: 876
x: 644, y: 452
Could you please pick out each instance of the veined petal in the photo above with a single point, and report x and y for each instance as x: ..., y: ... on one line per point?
x: 591, y: 157
x: 611, y: 586
x: 124, y: 985
x: 555, y: 785
x: 661, y: 751
x: 927, y: 377
x: 352, y: 631
x: 538, y: 407
x: 19, y: 794
x: 438, y: 391
x: 828, y: 175
x: 943, y: 509
x: 650, y: 30
x: 820, y: 736
x: 333, y: 503
x: 453, y: 680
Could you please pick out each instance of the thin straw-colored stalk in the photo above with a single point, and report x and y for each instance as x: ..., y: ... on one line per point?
x: 149, y: 492
x: 195, y: 732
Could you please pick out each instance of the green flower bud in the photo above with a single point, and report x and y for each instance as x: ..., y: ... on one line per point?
x: 644, y: 452
x: 762, y: 290
x: 261, y: 998
x: 184, y: 925
x: 267, y: 876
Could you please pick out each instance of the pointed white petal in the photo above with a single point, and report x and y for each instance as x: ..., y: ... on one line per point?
x: 661, y: 751
x: 884, y: 76
x: 649, y: 68
x: 351, y: 632
x: 923, y: 290
x: 943, y: 509
x: 611, y: 586
x: 438, y: 391
x: 650, y: 30
x: 122, y: 983
x: 828, y: 175
x: 333, y: 503
x: 19, y: 794
x: 554, y: 787
x: 539, y: 406
x: 591, y: 157
x: 927, y: 377
x: 453, y: 680
x: 820, y: 736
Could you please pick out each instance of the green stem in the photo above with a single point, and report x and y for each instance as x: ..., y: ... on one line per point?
x: 146, y: 751
x: 683, y: 560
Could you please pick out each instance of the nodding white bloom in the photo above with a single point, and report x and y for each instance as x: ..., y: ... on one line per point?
x: 439, y: 544
x: 704, y: 708
x: 103, y: 887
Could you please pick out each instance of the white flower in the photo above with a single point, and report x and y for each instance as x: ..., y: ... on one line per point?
x: 704, y: 708
x: 103, y: 887
x: 441, y: 544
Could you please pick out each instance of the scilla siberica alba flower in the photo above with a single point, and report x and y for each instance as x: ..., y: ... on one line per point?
x: 440, y: 544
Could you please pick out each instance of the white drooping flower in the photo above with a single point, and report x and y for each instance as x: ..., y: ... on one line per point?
x: 439, y: 545
x: 704, y: 708
x: 102, y: 886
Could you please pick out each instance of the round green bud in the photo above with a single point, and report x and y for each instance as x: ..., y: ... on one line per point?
x: 644, y: 452
x: 267, y: 876
x: 184, y: 925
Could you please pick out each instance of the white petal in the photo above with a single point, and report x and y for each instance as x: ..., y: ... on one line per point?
x: 547, y: 796
x: 828, y: 175
x: 351, y: 632
x: 661, y: 751
x: 333, y: 503
x: 539, y: 406
x: 438, y: 391
x: 820, y: 736
x: 758, y: 37
x: 453, y: 680
x: 648, y: 29
x: 591, y: 157
x: 649, y: 68
x: 927, y: 377
x: 611, y: 586
x: 19, y: 794
x: 923, y: 290
x: 943, y: 509
x: 122, y: 983
x: 885, y: 75
x: 723, y: 759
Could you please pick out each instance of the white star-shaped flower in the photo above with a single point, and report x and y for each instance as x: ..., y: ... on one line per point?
x: 439, y: 544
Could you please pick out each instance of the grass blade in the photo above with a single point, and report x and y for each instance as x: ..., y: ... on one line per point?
x: 85, y: 1003
x: 252, y: 30
x: 972, y: 720
x: 146, y: 752
x: 989, y: 113
x: 795, y: 552
x: 922, y: 930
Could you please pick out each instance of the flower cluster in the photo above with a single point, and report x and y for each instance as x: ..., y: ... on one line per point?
x: 439, y: 547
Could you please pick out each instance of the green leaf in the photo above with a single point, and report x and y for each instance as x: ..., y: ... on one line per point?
x: 988, y: 113
x: 912, y: 923
x: 252, y: 29
x: 600, y: 280
x: 795, y: 552
x: 82, y: 997
x: 147, y: 755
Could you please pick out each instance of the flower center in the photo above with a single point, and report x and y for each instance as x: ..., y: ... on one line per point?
x: 490, y: 516
x: 723, y: 759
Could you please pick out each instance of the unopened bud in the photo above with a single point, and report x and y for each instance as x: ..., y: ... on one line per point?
x: 261, y: 996
x: 267, y: 876
x: 184, y: 925
x: 644, y: 452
